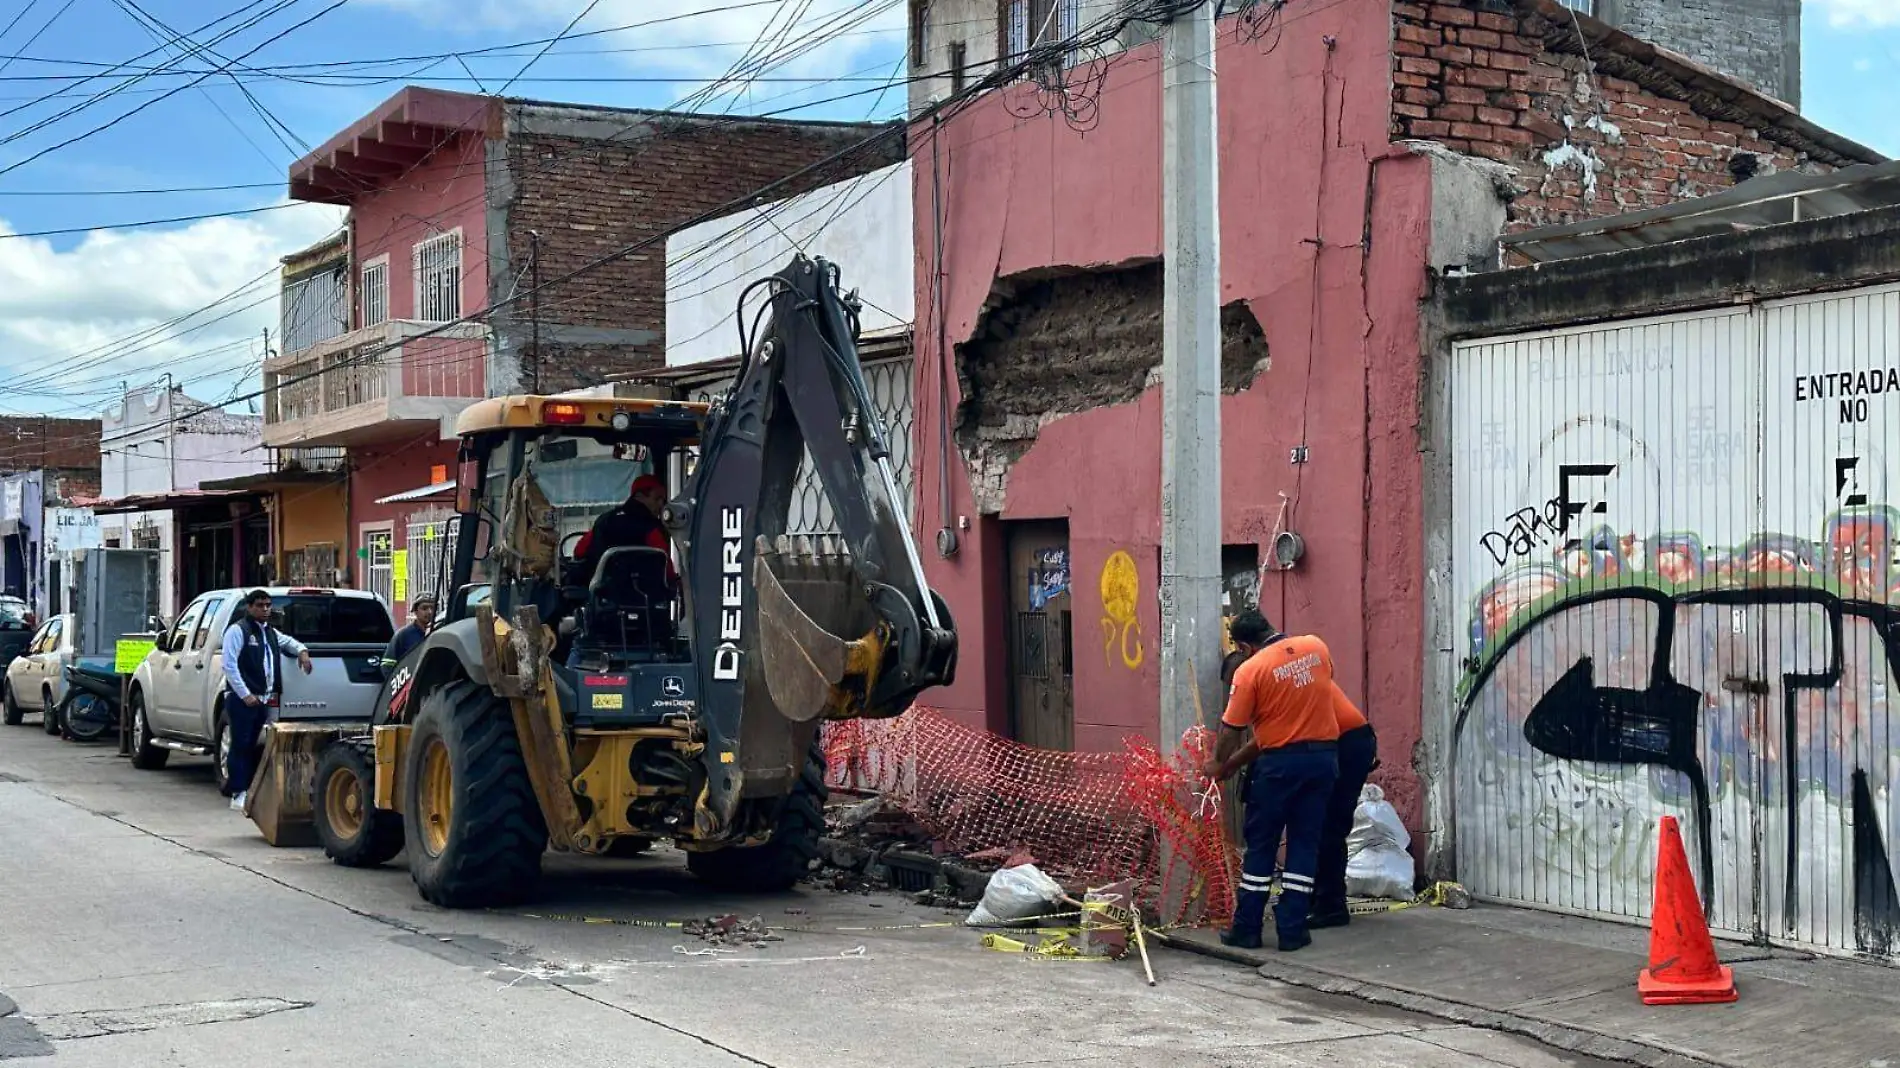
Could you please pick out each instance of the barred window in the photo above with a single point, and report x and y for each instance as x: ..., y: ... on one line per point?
x: 438, y: 263
x: 376, y: 291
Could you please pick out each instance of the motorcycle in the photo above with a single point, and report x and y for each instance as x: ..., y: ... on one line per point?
x: 91, y: 708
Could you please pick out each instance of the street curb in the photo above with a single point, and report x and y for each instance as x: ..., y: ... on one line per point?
x: 1561, y: 1036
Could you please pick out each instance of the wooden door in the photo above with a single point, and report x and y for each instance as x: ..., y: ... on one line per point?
x: 1041, y: 638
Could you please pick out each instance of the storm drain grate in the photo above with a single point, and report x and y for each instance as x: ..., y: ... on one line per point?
x: 909, y: 875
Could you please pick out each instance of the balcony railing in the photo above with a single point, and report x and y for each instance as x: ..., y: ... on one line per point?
x: 374, y: 383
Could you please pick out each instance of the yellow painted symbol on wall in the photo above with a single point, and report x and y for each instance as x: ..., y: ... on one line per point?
x: 1120, y: 631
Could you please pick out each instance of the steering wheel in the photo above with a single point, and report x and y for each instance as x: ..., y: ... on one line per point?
x: 567, y: 555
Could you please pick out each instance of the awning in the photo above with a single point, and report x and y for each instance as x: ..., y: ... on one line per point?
x: 165, y: 502
x: 438, y: 489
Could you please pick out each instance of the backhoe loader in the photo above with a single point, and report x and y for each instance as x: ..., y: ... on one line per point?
x: 667, y: 695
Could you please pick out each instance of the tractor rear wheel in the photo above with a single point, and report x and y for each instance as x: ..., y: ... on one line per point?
x: 354, y: 832
x: 780, y: 863
x: 473, y: 825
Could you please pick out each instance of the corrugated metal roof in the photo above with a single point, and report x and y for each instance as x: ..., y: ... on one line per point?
x: 1770, y: 201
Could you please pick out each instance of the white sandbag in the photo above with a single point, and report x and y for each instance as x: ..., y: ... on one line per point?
x: 1014, y: 895
x: 1377, y: 864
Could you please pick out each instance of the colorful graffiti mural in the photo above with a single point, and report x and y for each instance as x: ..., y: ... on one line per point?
x: 1744, y: 690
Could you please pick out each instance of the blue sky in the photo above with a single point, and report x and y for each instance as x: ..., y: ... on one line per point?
x: 64, y: 297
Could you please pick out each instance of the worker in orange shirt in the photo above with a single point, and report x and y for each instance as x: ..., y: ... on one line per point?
x: 1358, y: 755
x: 1280, y: 716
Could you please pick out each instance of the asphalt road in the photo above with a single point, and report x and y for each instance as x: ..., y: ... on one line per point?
x: 144, y: 923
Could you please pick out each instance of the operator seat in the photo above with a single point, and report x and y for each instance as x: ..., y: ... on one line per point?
x: 628, y: 602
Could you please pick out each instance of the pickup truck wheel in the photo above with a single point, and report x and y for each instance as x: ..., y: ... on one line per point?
x: 49, y: 719
x: 222, y: 732
x: 10, y: 709
x: 354, y: 832
x: 473, y: 825
x: 780, y: 863
x: 145, y: 755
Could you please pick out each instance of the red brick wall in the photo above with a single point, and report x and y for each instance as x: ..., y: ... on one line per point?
x: 1586, y: 142
x: 28, y: 442
x: 588, y: 198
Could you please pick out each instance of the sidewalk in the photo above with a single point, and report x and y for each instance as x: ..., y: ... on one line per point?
x: 1572, y: 983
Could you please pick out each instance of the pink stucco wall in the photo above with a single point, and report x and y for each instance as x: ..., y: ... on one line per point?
x: 1304, y: 155
x: 445, y: 192
x: 385, y: 470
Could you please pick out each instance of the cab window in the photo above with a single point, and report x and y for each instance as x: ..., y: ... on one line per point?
x: 186, y: 624
x: 213, y: 609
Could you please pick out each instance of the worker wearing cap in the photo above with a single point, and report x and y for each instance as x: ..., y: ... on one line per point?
x: 1358, y: 755
x: 1280, y: 707
x: 636, y: 522
x: 421, y: 618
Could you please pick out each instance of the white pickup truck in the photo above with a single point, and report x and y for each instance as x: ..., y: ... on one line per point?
x: 176, y: 700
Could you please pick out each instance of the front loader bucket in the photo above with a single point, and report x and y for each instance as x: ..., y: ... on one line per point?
x: 818, y: 635
x: 281, y: 798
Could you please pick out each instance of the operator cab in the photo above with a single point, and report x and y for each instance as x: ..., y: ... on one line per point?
x: 621, y: 656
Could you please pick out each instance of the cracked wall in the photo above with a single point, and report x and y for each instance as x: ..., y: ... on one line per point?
x: 1052, y: 344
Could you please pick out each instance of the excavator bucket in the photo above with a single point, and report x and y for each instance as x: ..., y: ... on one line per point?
x: 809, y: 599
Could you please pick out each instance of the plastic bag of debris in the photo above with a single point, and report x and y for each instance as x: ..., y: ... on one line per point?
x: 1377, y: 864
x: 1014, y: 895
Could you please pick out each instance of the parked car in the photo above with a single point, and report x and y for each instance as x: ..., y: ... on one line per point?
x: 176, y: 699
x: 16, y: 628
x: 36, y: 679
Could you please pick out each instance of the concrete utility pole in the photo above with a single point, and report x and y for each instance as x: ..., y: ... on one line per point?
x: 1190, y: 378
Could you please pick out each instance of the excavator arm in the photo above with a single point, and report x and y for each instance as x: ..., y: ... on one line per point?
x: 786, y: 630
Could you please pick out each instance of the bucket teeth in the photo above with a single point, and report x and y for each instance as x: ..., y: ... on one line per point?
x: 808, y: 598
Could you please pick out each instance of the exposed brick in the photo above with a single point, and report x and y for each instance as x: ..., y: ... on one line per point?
x: 1458, y: 113
x: 1408, y: 11
x: 1465, y: 94
x: 1512, y: 100
x: 1493, y: 150
x: 1544, y: 128
x: 1411, y: 81
x: 1480, y: 38
x: 1493, y: 21
x: 1471, y: 131
x: 1422, y: 34
x: 1452, y: 54
x: 1452, y: 16
x: 1431, y: 128
x: 1409, y: 48
x: 1497, y: 116
x: 1487, y: 78
x: 1412, y: 111
x: 1511, y: 61
x: 1415, y: 65
x: 1513, y: 135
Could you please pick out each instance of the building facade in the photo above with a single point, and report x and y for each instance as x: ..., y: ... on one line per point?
x: 157, y: 441
x: 1039, y: 324
x: 1664, y: 469
x: 458, y: 205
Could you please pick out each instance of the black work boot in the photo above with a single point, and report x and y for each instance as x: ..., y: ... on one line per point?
x: 1289, y: 943
x: 1240, y: 940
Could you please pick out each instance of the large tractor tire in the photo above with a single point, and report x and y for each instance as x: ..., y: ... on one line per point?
x: 354, y: 832
x: 780, y: 863
x: 474, y: 828
x: 146, y: 755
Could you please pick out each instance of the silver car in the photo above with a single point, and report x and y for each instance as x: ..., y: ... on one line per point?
x: 36, y: 679
x: 176, y: 699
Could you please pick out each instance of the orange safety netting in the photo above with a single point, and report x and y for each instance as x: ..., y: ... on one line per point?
x: 1094, y: 817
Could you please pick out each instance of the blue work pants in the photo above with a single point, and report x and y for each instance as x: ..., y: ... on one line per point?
x: 1287, y: 792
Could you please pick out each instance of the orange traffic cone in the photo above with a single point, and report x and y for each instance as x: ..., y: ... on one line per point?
x: 1682, y: 966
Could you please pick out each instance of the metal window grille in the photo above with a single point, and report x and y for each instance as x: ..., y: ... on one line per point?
x: 438, y: 263
x: 376, y: 293
x: 1588, y: 7
x: 378, y: 570
x: 1017, y: 31
x: 315, y: 309
x: 313, y: 565
x: 1068, y: 23
x: 890, y: 385
x: 428, y: 552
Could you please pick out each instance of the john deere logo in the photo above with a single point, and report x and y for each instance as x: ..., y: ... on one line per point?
x: 672, y: 686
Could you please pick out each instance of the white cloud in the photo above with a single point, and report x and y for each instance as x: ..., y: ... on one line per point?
x: 1859, y: 12
x: 714, y: 21
x: 56, y: 306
